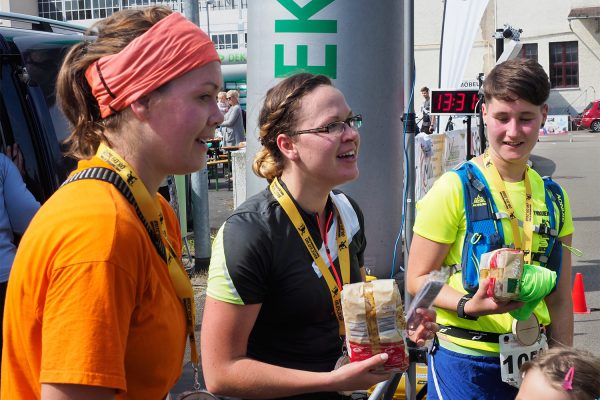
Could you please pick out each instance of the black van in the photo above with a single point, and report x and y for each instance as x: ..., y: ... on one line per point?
x: 31, y: 52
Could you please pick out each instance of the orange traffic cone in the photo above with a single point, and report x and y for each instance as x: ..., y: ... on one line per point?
x: 578, y: 294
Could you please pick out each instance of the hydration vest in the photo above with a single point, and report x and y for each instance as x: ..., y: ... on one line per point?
x: 484, y: 231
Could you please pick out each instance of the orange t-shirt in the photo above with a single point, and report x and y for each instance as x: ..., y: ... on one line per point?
x: 90, y: 301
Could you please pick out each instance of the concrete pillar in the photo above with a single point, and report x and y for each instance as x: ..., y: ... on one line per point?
x: 238, y: 169
x: 359, y: 44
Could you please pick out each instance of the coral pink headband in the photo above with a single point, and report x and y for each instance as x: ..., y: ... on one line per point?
x: 169, y: 49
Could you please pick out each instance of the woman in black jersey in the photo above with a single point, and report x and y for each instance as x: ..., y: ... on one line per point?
x: 270, y: 329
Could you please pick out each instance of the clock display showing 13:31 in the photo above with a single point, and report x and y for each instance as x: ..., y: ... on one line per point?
x: 454, y: 102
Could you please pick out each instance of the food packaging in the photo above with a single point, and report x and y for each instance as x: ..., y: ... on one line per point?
x: 374, y: 321
x: 504, y: 268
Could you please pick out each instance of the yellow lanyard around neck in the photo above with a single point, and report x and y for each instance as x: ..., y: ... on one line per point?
x: 152, y: 212
x: 292, y: 212
x: 527, y: 242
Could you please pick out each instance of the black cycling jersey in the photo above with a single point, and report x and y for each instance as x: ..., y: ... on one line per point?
x: 259, y: 257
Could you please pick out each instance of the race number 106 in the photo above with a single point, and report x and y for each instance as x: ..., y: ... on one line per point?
x: 509, y: 361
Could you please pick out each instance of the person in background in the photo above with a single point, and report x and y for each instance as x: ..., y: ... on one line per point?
x: 269, y: 327
x: 234, y: 121
x: 427, y: 120
x: 17, y: 208
x: 466, y: 362
x: 98, y: 304
x: 222, y: 102
x: 561, y: 373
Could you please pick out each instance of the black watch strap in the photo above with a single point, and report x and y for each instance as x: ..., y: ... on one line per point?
x: 460, y: 308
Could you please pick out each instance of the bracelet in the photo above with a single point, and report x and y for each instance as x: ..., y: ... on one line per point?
x: 460, y: 308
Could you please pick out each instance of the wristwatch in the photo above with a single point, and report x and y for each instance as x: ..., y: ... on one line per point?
x: 460, y: 308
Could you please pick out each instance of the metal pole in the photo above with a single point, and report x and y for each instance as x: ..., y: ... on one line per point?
x: 409, y: 137
x: 437, y: 120
x: 469, y: 139
x: 199, y: 181
x: 208, y: 19
x: 191, y: 11
x: 202, y: 245
x: 499, y: 43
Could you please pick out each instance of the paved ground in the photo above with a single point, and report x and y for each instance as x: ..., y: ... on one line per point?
x: 573, y: 160
x: 220, y: 206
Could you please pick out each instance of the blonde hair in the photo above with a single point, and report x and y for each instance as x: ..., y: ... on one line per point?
x: 222, y: 96
x: 278, y: 116
x: 556, y: 362
x: 73, y: 91
x: 233, y: 93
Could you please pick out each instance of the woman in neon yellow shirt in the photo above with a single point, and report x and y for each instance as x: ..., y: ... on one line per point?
x: 471, y: 361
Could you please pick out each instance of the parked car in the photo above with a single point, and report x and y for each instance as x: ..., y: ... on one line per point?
x: 31, y: 52
x: 589, y: 117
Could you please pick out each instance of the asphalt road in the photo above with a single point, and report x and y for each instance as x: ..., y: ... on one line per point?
x: 573, y: 160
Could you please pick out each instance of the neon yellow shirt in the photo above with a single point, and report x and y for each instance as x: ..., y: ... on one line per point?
x: 441, y: 218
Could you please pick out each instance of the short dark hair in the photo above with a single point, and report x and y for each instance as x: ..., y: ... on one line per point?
x: 425, y: 89
x: 519, y: 78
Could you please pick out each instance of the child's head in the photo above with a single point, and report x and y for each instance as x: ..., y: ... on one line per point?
x: 561, y: 374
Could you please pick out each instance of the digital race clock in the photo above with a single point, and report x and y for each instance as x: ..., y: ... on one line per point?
x: 453, y: 102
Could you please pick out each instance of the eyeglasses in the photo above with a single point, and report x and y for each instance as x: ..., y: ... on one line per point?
x: 334, y: 128
x: 228, y: 98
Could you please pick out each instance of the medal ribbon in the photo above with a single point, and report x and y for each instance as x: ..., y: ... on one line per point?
x: 526, y: 243
x: 150, y: 208
x: 292, y: 212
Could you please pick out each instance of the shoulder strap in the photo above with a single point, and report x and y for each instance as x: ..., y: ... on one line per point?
x: 554, y: 195
x: 479, y: 204
x: 483, y: 232
x: 112, y: 177
x: 557, y: 195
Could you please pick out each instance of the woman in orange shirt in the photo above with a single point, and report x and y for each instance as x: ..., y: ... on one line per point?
x: 96, y: 304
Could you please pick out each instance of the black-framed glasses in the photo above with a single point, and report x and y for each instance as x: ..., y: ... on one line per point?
x: 334, y: 128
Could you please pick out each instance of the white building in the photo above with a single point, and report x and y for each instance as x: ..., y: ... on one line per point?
x: 223, y: 20
x: 563, y: 35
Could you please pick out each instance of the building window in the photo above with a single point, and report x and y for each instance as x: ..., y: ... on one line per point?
x: 226, y: 41
x: 529, y: 50
x: 227, y: 4
x: 70, y: 10
x: 564, y: 65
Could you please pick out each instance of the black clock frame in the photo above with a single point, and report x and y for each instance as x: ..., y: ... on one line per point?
x: 454, y: 101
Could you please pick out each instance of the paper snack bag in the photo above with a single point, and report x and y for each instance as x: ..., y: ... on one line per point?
x: 504, y: 268
x: 374, y: 321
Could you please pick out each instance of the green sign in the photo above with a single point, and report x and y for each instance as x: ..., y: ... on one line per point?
x: 303, y: 24
x: 229, y: 57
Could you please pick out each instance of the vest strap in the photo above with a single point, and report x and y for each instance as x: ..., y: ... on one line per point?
x: 540, y: 229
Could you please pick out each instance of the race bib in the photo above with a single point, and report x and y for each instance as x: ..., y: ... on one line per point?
x: 513, y: 356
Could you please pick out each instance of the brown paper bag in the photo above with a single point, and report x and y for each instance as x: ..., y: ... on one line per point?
x: 374, y: 321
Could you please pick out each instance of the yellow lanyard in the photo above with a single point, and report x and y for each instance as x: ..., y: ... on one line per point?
x: 150, y: 208
x: 527, y: 242
x: 342, y: 242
